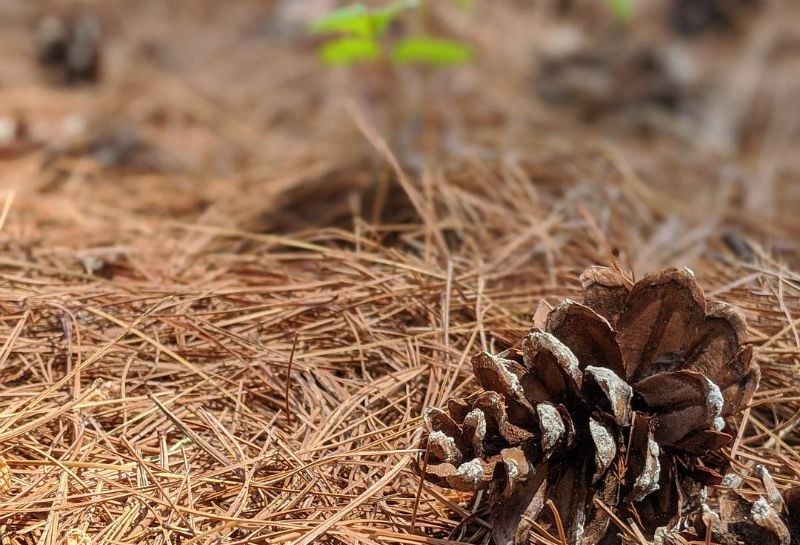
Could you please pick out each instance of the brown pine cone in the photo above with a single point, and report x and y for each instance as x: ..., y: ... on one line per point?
x: 621, y: 399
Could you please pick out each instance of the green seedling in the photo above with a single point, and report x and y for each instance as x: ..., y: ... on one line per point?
x: 361, y: 21
x: 359, y: 36
x: 347, y: 51
x: 431, y: 51
x: 622, y: 10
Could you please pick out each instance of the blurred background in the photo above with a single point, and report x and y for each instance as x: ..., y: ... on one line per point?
x: 229, y: 112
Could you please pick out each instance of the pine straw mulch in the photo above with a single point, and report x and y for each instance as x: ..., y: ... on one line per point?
x: 213, y: 385
x: 172, y: 374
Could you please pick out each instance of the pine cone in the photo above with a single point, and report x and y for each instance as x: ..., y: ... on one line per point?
x: 622, y: 399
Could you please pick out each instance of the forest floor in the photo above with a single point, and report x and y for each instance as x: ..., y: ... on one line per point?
x: 231, y: 277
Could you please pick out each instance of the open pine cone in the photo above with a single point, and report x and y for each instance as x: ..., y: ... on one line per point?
x: 621, y: 399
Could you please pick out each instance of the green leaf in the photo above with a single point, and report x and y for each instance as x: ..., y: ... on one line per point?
x: 431, y: 51
x: 358, y: 20
x: 622, y: 10
x: 353, y: 19
x: 349, y: 51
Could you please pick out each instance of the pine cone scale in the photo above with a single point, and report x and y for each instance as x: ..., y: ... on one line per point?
x: 552, y: 364
x: 684, y: 401
x: 605, y: 291
x: 740, y: 382
x: 717, y: 341
x: 525, y: 503
x: 588, y: 336
x: 644, y: 460
x: 615, y: 391
x: 662, y: 313
x: 605, y: 448
x: 662, y: 508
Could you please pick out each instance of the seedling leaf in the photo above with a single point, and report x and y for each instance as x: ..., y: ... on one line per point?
x: 622, y: 10
x: 353, y: 20
x: 358, y: 20
x: 431, y: 51
x: 349, y: 51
